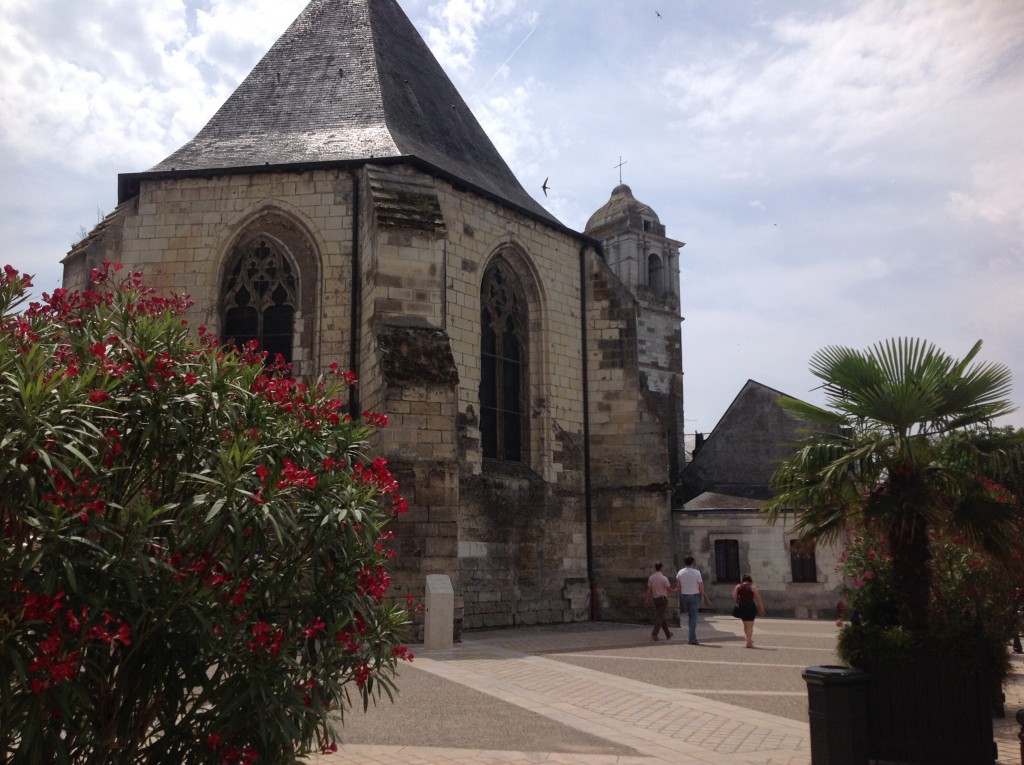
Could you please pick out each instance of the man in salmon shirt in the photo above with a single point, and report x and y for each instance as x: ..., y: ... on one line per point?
x: 658, y: 590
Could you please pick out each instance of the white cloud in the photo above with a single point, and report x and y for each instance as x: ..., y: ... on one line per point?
x: 455, y: 30
x: 996, y: 196
x: 839, y: 82
x: 116, y: 80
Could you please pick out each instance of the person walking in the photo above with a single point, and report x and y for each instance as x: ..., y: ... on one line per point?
x: 658, y: 590
x: 749, y: 604
x: 691, y: 592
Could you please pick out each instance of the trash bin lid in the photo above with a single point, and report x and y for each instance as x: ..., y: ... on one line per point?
x: 833, y: 674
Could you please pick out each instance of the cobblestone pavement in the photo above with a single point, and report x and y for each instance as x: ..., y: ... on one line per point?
x: 603, y: 694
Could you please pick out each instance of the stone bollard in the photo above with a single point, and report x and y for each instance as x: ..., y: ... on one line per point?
x: 439, y: 614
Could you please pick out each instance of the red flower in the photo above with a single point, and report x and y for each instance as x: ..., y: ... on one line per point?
x: 314, y: 629
x: 293, y: 475
x: 362, y: 674
x: 376, y: 419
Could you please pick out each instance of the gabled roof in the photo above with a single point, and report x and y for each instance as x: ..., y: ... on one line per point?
x: 349, y: 81
x: 742, y: 453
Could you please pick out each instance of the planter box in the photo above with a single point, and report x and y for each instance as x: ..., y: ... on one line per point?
x: 929, y: 711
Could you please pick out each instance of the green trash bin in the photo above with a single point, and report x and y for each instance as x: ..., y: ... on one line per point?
x: 837, y: 708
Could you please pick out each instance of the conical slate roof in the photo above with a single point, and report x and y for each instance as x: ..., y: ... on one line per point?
x: 350, y: 80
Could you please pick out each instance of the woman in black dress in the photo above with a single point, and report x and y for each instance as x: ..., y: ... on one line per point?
x: 749, y: 602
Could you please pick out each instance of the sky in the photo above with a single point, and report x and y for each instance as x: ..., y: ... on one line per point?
x: 841, y: 173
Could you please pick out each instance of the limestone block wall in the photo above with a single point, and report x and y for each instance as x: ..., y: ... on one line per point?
x: 522, y: 553
x: 425, y: 538
x: 405, y: 253
x: 764, y: 554
x: 180, y: 231
x: 512, y: 540
x: 660, y: 356
x: 659, y: 347
x: 629, y: 453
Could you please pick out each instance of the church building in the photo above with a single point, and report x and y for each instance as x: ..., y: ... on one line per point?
x: 345, y: 205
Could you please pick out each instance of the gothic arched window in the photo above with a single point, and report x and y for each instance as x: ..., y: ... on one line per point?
x: 655, y: 274
x: 503, y: 352
x: 259, y: 300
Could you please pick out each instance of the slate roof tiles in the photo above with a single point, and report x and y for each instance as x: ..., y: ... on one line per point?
x: 349, y: 81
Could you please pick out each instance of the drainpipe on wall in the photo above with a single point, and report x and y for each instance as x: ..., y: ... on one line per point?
x: 357, y: 296
x: 595, y: 611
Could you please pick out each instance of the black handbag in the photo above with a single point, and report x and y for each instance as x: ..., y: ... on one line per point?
x: 736, y: 610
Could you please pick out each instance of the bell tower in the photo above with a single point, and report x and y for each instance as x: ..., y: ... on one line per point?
x: 646, y: 261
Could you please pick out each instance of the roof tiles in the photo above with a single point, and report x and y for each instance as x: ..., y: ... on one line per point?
x: 350, y: 80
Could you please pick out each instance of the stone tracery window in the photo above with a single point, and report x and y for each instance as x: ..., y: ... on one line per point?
x: 503, y: 358
x: 259, y: 299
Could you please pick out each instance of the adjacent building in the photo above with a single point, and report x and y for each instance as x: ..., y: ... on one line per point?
x: 720, y: 523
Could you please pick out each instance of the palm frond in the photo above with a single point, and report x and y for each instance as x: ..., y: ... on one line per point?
x: 812, y: 414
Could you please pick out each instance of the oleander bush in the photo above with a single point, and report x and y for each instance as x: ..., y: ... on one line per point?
x: 974, y: 599
x: 193, y: 544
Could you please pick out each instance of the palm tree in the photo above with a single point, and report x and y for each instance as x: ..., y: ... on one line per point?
x: 883, y: 457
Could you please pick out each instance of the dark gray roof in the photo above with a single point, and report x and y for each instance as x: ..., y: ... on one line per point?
x: 711, y: 500
x: 350, y: 81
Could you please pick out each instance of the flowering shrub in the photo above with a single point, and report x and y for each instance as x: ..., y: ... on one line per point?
x: 193, y: 548
x: 974, y: 601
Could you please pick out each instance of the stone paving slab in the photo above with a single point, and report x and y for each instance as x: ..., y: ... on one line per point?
x: 532, y: 670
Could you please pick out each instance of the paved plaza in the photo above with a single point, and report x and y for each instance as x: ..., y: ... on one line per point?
x: 606, y: 694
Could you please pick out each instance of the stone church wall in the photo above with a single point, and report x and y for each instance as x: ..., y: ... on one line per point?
x: 629, y: 458
x: 511, y: 537
x: 180, y: 231
x: 522, y: 552
x: 659, y: 348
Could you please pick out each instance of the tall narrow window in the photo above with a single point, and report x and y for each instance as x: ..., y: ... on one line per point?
x: 655, y: 274
x: 802, y: 561
x: 503, y: 395
x: 259, y: 301
x: 727, y: 560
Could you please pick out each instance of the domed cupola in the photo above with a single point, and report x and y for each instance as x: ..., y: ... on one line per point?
x: 623, y: 212
x: 634, y: 245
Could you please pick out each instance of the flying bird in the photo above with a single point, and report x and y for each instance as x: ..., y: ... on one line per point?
x: 544, y: 187
x: 657, y: 14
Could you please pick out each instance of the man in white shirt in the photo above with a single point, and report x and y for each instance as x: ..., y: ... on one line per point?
x: 691, y: 591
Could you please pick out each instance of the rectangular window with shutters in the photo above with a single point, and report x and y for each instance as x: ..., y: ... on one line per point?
x: 801, y: 559
x: 727, y: 560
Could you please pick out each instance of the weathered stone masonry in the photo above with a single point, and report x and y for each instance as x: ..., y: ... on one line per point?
x: 389, y: 211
